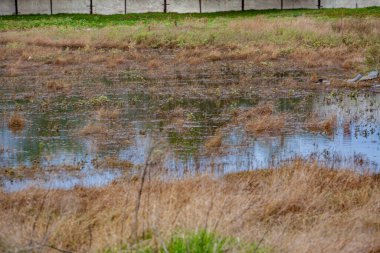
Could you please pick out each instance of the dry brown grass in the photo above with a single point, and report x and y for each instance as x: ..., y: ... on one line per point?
x: 98, y: 59
x: 113, y: 162
x: 14, y: 69
x: 266, y: 123
x: 214, y: 55
x: 58, y: 85
x: 115, y: 61
x: 327, y: 126
x: 262, y: 119
x: 214, y: 142
x: 109, y: 113
x: 154, y: 63
x: 65, y: 60
x: 93, y: 129
x: 16, y: 122
x: 317, y: 42
x: 299, y: 207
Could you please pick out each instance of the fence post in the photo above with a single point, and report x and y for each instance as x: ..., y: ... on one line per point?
x: 125, y: 6
x: 91, y: 11
x: 51, y: 7
x: 16, y: 7
x: 165, y: 6
x: 282, y: 4
x: 319, y: 4
x: 200, y: 6
x: 242, y: 5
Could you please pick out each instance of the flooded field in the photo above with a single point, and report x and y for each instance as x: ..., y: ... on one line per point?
x: 254, y: 131
x: 70, y: 139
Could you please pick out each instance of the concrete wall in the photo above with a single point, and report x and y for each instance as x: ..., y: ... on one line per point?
x: 140, y: 6
x: 298, y: 4
x: 7, y: 7
x: 349, y: 3
x: 34, y: 6
x: 71, y: 6
x: 108, y: 7
x: 221, y: 5
x: 262, y: 4
x: 188, y: 6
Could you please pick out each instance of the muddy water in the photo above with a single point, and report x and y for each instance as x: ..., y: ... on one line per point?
x: 176, y: 128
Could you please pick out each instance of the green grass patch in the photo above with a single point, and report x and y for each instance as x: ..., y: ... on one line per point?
x: 87, y: 21
x: 195, y: 242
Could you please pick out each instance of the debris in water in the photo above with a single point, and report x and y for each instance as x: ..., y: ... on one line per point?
x: 324, y: 81
x: 370, y: 76
x: 355, y: 79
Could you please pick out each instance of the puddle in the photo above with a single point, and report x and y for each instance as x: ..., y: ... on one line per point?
x: 178, y: 127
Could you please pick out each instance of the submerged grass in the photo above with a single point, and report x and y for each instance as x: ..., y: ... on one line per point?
x: 327, y: 126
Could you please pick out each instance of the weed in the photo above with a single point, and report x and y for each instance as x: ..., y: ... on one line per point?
x: 214, y: 141
x: 16, y: 122
x: 106, y: 113
x: 58, y: 85
x: 65, y: 60
x: 373, y: 57
x: 154, y: 63
x: 327, y: 126
x: 266, y: 123
x: 93, y: 130
x: 261, y: 119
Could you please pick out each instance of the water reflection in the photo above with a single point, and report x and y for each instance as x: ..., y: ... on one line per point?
x: 51, y: 135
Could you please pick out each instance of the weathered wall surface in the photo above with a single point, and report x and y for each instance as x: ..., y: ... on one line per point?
x: 188, y: 6
x: 71, y: 6
x: 34, y: 6
x: 349, y: 3
x: 108, y: 7
x: 262, y: 4
x: 7, y: 7
x: 298, y: 4
x: 221, y: 5
x: 140, y: 6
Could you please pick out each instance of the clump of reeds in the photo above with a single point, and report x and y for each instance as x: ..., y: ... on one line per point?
x: 327, y: 126
x: 16, y: 122
x: 93, y: 129
x: 113, y: 162
x: 266, y: 123
x: 262, y: 119
x: 214, y: 141
x: 177, y: 118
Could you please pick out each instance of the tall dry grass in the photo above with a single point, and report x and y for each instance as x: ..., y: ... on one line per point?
x: 300, y: 207
x: 308, y: 41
